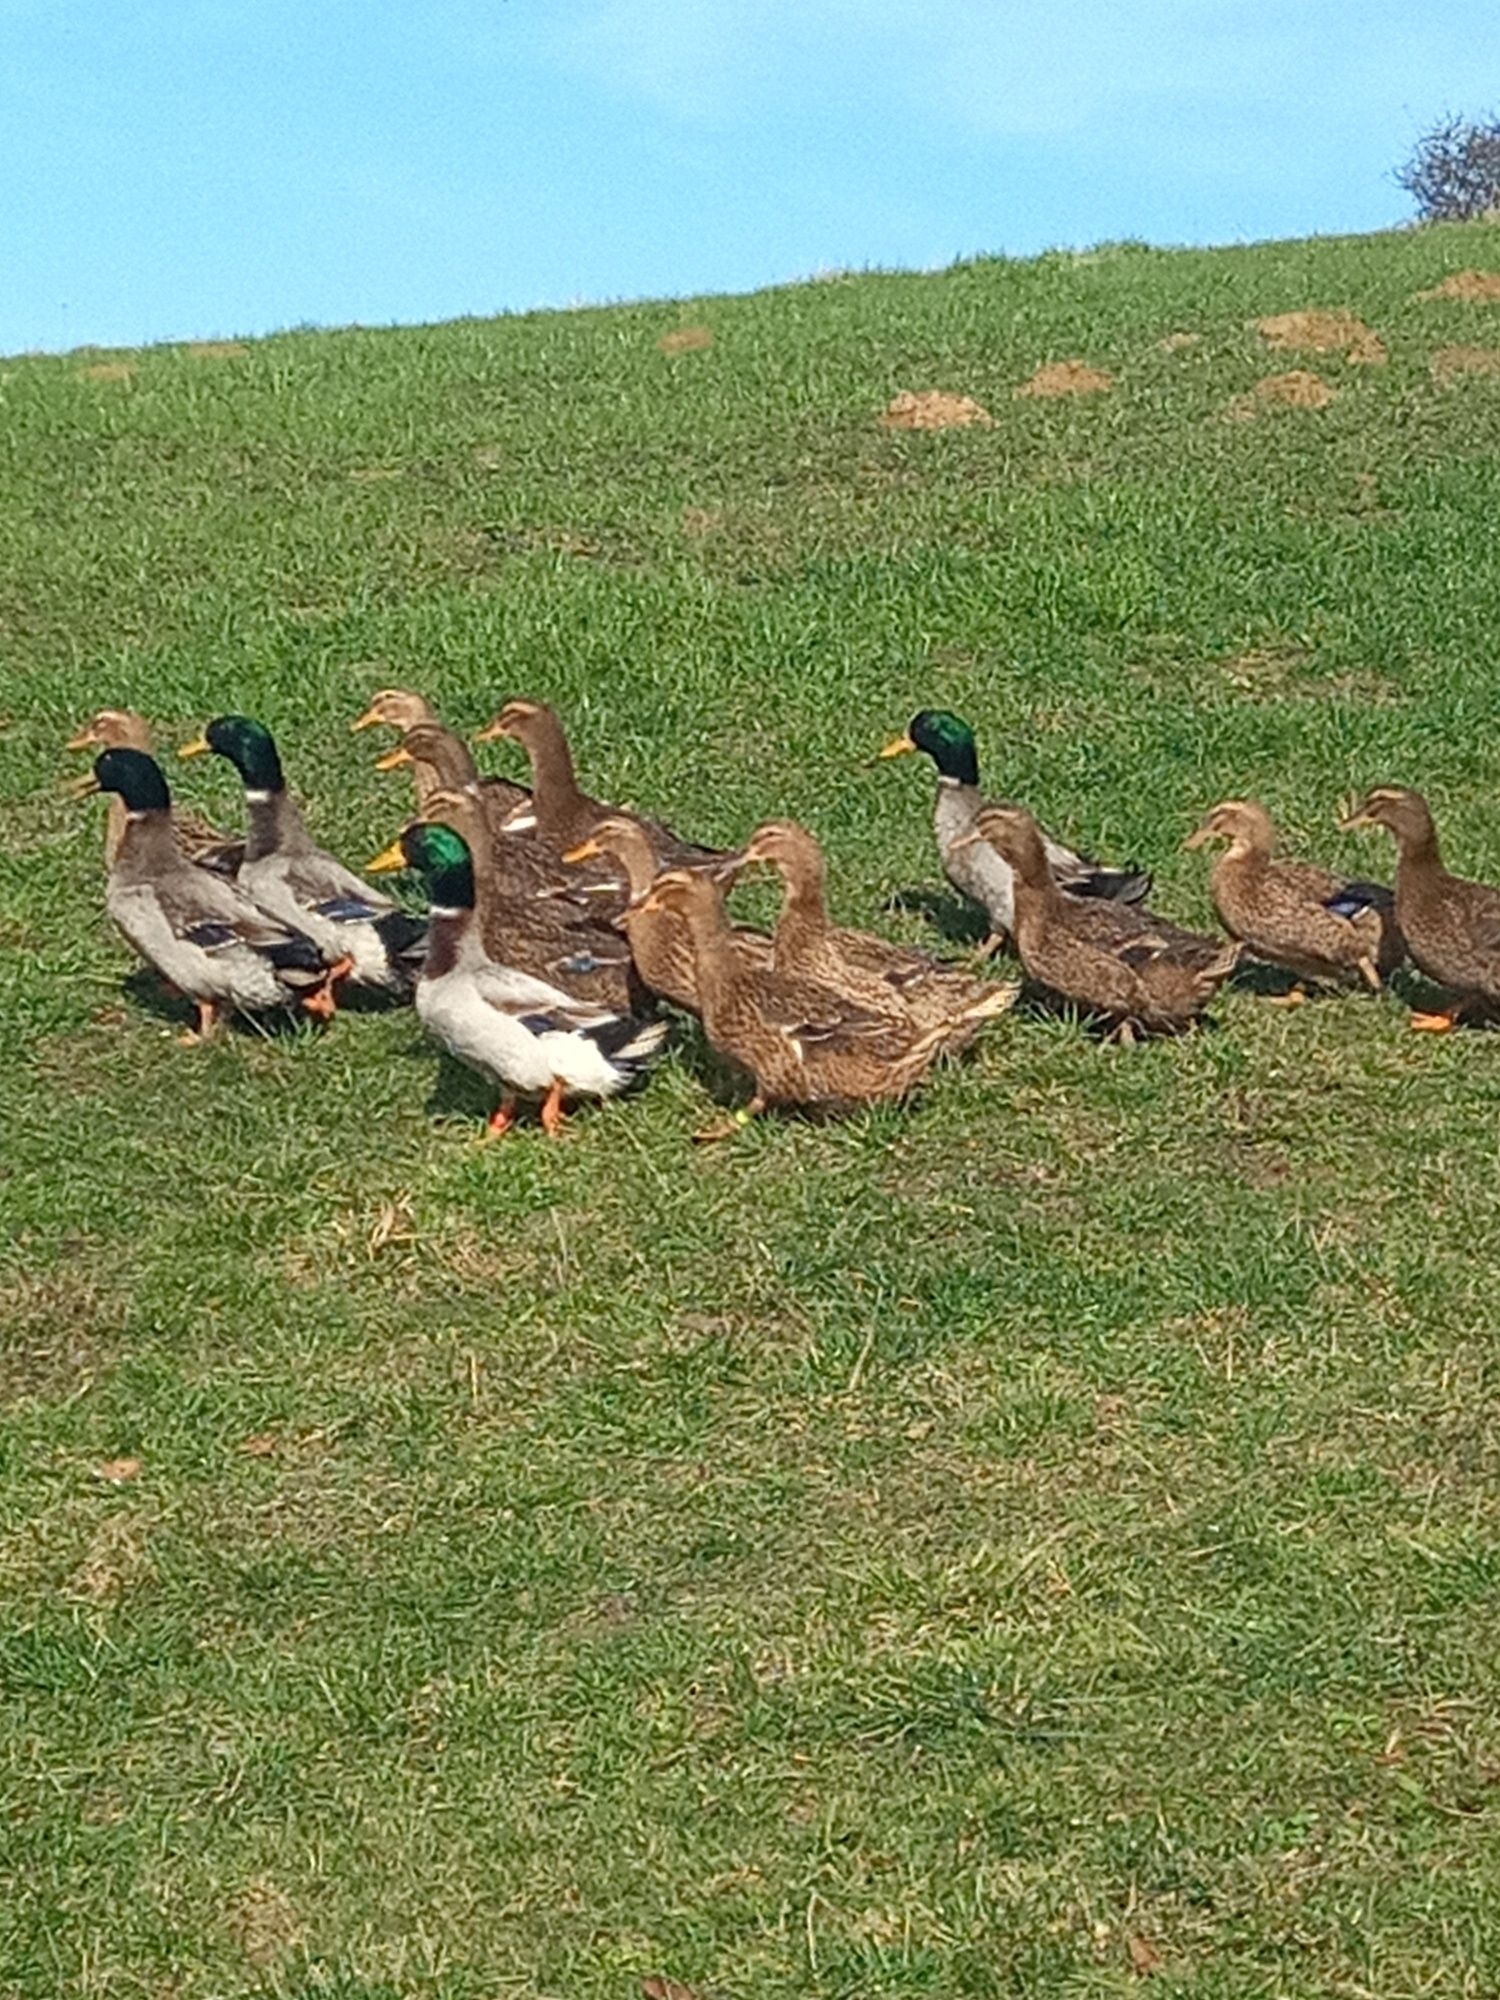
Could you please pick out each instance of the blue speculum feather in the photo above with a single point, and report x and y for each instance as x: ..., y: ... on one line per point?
x: 346, y: 910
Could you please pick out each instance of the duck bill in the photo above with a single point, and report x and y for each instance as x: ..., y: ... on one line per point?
x: 388, y: 860
x: 730, y: 869
x: 1352, y: 814
x: 491, y: 732
x: 83, y: 788
x: 586, y: 850
x: 1197, y: 837
x: 199, y: 747
x: 393, y: 759
x: 899, y: 746
x: 84, y: 740
x: 369, y: 720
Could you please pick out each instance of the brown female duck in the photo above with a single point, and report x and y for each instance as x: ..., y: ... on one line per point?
x: 886, y: 978
x: 803, y: 1044
x: 1153, y: 977
x: 660, y: 942
x: 1451, y: 927
x: 1290, y: 913
x: 197, y: 840
x: 566, y: 815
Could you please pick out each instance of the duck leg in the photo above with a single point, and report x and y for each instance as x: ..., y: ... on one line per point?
x: 502, y: 1117
x: 1369, y: 972
x: 995, y: 943
x: 1439, y: 1024
x: 323, y: 1001
x: 1294, y: 998
x: 552, y: 1111
x: 736, y: 1122
x: 207, y: 1028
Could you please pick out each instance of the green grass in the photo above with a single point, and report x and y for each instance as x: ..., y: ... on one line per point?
x: 977, y: 1551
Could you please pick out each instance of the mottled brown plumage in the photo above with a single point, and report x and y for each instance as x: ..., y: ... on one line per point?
x: 1280, y: 910
x: 883, y: 977
x: 1105, y: 959
x: 660, y: 942
x: 1451, y: 927
x: 802, y: 1043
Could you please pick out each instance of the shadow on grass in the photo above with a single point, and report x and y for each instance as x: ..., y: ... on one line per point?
x: 961, y: 923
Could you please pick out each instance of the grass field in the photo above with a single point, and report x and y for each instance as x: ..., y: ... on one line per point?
x: 1041, y: 1543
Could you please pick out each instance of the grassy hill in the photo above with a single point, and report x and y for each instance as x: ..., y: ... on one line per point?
x: 1035, y: 1543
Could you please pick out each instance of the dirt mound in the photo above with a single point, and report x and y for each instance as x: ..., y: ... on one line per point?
x: 1298, y: 389
x: 107, y: 371
x: 932, y: 410
x: 1066, y: 378
x: 686, y: 340
x: 1450, y: 362
x: 1173, y: 343
x: 1476, y: 288
x: 1320, y: 332
x: 215, y: 350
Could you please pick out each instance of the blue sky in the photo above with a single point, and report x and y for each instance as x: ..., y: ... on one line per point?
x: 192, y: 168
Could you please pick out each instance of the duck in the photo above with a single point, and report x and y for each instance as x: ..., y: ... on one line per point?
x: 1140, y: 977
x: 438, y: 756
x: 803, y: 1044
x: 548, y: 936
x: 533, y: 1039
x: 564, y: 815
x: 886, y: 978
x: 199, y: 930
x: 660, y: 942
x: 975, y: 869
x: 1320, y: 927
x: 1451, y: 927
x: 124, y: 729
x: 364, y: 936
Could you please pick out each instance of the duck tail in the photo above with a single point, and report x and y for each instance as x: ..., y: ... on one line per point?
x: 1130, y: 884
x: 628, y: 1042
x: 403, y: 935
x: 1211, y: 977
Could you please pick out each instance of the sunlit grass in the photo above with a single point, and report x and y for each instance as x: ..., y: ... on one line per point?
x: 1011, y: 1547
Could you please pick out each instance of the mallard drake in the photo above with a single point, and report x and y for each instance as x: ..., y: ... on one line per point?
x: 660, y: 942
x: 976, y: 870
x: 123, y: 729
x: 803, y: 1044
x: 1153, y: 977
x: 532, y: 1038
x: 565, y: 816
x: 1291, y: 914
x: 886, y: 978
x: 548, y: 936
x: 362, y: 933
x: 1451, y: 927
x: 199, y: 930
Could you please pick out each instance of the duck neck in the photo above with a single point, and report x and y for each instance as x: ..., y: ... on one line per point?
x: 804, y: 908
x: 452, y: 940
x: 630, y: 850
x: 561, y: 809
x: 146, y: 847
x: 1418, y: 860
x: 713, y: 952
x: 274, y: 824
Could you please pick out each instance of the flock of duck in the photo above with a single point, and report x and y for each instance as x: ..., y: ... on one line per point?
x: 557, y: 923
